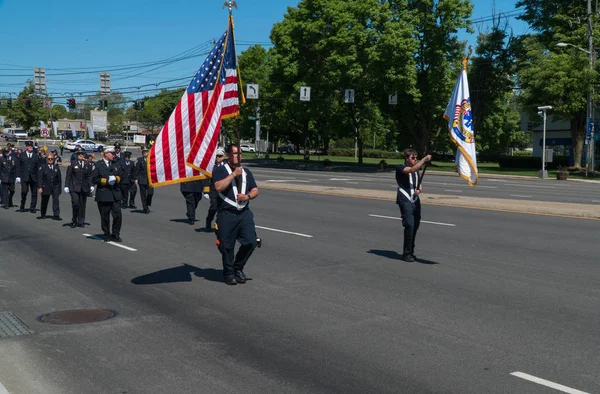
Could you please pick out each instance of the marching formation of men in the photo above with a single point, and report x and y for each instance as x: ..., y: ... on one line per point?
x: 114, y: 179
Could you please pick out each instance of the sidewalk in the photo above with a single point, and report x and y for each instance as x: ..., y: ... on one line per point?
x: 570, y: 210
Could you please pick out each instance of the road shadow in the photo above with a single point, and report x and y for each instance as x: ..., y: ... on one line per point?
x: 186, y: 221
x: 181, y: 273
x: 204, y: 230
x: 392, y: 254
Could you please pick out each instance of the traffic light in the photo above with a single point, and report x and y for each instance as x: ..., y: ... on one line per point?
x: 71, y: 103
x: 135, y: 105
x: 9, y: 102
x: 28, y: 103
x: 142, y: 105
x: 105, y: 105
x: 100, y: 104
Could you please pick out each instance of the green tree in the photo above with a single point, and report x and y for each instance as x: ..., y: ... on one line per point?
x: 495, y: 114
x: 58, y: 112
x: 27, y: 110
x: 548, y: 75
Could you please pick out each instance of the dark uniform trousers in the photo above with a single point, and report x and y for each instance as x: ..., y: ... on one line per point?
x: 214, y: 206
x: 192, y: 199
x: 132, y: 194
x: 78, y: 203
x: 55, y: 205
x: 108, y: 209
x: 411, y: 219
x: 236, y: 226
x: 8, y: 191
x: 125, y: 193
x: 146, y: 193
x: 27, y: 186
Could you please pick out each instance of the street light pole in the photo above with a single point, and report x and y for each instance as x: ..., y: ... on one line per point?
x: 543, y: 112
x: 591, y: 91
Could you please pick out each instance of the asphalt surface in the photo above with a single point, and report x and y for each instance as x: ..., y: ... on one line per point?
x: 516, y: 188
x: 331, y: 308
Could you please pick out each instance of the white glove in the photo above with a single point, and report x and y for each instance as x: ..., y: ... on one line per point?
x: 112, y: 180
x: 66, y: 189
x: 18, y: 180
x: 206, y: 196
x: 92, y: 189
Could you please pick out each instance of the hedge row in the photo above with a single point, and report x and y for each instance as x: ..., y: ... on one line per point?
x: 532, y: 162
x: 373, y: 153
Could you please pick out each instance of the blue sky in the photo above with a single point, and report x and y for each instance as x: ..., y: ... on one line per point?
x: 72, y: 36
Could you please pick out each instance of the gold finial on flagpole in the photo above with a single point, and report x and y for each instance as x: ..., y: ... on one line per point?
x: 230, y: 4
x: 467, y: 57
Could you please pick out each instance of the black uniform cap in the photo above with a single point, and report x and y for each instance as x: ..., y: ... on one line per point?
x: 28, y: 143
x: 127, y: 154
x: 117, y: 145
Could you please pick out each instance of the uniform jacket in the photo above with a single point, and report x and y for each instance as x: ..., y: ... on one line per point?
x: 127, y: 171
x: 104, y: 191
x: 49, y: 179
x: 79, y: 177
x: 141, y: 173
x: 8, y: 169
x: 27, y: 169
x: 193, y: 186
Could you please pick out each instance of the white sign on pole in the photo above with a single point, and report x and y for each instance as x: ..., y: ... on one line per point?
x: 304, y: 93
x: 45, y: 132
x: 393, y: 99
x: 139, y: 139
x: 349, y: 96
x: 252, y: 91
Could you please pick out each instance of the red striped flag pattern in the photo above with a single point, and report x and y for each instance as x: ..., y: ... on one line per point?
x: 167, y: 157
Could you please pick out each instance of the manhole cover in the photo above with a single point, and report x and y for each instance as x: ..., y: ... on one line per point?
x: 77, y: 316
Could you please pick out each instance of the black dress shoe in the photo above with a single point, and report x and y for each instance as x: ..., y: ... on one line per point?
x: 230, y: 280
x: 191, y: 222
x: 21, y: 210
x: 146, y: 211
x: 408, y: 258
x: 240, y: 277
x: 41, y: 217
x: 81, y: 225
x: 73, y: 225
x: 32, y: 210
x: 132, y: 206
x: 115, y: 238
x: 57, y: 218
x: 106, y: 238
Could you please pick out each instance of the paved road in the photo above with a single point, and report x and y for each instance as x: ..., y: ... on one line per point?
x: 533, y: 189
x: 331, y: 308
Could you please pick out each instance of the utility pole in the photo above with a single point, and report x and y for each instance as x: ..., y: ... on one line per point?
x: 590, y: 109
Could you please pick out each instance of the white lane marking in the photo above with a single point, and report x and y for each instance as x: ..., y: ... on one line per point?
x: 352, y: 183
x: 110, y: 243
x: 547, y: 383
x: 344, y: 179
x: 519, y: 195
x: 3, y: 389
x: 453, y: 191
x: 286, y: 180
x: 497, y: 180
x: 422, y: 221
x: 285, y: 232
x: 595, y: 200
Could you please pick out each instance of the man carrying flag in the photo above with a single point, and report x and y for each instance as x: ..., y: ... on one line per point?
x: 460, y: 124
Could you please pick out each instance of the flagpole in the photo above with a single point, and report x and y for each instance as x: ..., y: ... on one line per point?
x: 230, y: 4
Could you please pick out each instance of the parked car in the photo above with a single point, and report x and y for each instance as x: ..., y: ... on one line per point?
x: 86, y: 145
x: 285, y: 149
x: 247, y: 148
x: 11, y: 134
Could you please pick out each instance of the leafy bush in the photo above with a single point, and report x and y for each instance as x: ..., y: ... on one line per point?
x: 532, y: 162
x: 373, y: 153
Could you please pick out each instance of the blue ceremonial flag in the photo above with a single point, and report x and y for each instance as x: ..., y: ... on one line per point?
x: 460, y: 124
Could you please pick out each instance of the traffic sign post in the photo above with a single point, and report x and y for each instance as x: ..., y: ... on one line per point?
x: 393, y: 99
x: 252, y: 91
x: 304, y: 93
x: 45, y: 132
x: 349, y: 96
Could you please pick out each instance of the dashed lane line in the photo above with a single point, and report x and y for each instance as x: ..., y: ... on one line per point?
x: 3, y: 389
x: 285, y: 232
x: 547, y: 383
x: 110, y: 243
x: 520, y: 195
x: 422, y: 221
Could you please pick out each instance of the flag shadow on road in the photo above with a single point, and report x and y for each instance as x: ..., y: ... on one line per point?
x: 181, y: 273
x: 392, y: 254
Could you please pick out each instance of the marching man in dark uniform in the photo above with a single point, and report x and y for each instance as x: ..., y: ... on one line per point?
x: 192, y: 192
x: 235, y: 222
x: 409, y: 188
x: 128, y: 172
x: 28, y: 165
x: 106, y: 177
x: 141, y: 179
x: 8, y: 174
x: 78, y: 183
x: 50, y: 181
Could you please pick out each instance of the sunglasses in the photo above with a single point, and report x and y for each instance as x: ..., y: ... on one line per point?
x: 413, y: 157
x: 49, y: 159
x: 219, y: 155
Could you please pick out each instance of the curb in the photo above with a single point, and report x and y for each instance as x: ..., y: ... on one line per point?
x: 545, y: 208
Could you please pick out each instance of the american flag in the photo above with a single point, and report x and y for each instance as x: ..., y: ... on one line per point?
x: 185, y: 127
